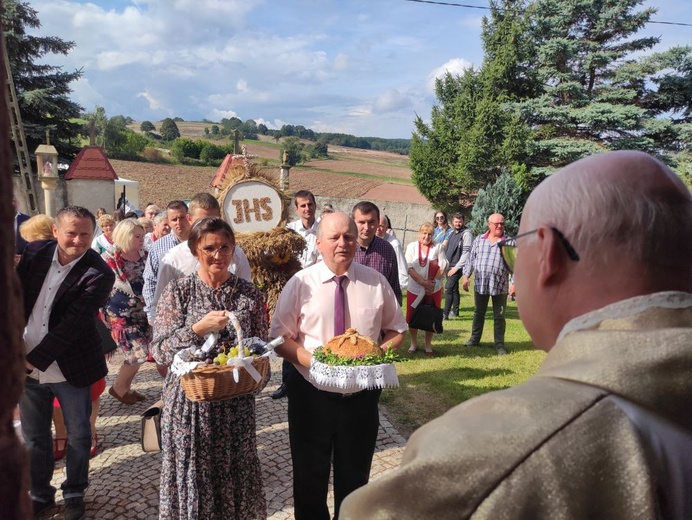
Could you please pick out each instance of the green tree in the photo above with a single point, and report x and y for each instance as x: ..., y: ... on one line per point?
x: 320, y: 149
x: 95, y: 127
x: 294, y: 151
x: 472, y: 137
x: 212, y: 154
x: 43, y: 90
x: 560, y: 79
x: 169, y: 130
x: 504, y: 196
x: 214, y: 129
x: 186, y: 148
x: 229, y: 125
x: 262, y: 129
x: 598, y: 92
x: 249, y: 129
x: 147, y: 126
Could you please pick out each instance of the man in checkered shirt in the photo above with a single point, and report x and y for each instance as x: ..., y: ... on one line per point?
x: 491, y: 281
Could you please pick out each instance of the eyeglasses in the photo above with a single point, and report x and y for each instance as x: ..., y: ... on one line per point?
x: 497, y: 224
x: 222, y: 252
x: 440, y: 217
x: 509, y: 248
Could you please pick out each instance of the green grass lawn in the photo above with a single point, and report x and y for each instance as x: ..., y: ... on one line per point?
x: 429, y: 386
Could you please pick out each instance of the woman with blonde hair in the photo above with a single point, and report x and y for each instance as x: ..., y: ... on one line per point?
x: 147, y: 224
x: 38, y: 227
x: 124, y: 311
x: 426, y: 265
x: 104, y: 242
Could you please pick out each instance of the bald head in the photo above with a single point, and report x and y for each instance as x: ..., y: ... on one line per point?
x: 336, y: 241
x: 617, y: 203
x: 628, y: 217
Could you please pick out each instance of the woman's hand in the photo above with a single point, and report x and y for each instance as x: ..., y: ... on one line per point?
x: 214, y: 321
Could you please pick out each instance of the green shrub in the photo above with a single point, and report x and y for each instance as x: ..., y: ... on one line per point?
x: 212, y: 154
x: 186, y: 148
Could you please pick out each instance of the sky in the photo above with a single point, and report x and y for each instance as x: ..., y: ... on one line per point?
x: 361, y: 67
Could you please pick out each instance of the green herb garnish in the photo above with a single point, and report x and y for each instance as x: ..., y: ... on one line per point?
x: 328, y: 357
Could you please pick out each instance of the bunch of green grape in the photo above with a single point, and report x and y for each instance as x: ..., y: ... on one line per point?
x: 222, y: 357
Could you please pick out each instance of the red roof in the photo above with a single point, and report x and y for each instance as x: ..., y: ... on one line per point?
x: 91, y: 163
x: 222, y: 171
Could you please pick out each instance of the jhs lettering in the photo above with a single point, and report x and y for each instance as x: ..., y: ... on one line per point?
x: 260, y: 209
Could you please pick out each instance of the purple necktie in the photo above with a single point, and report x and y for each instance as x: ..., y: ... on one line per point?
x: 339, y: 313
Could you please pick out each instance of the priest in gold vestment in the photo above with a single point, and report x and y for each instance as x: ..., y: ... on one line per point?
x: 604, y: 429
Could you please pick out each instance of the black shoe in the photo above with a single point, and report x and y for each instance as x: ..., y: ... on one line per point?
x: 40, y: 507
x: 279, y: 392
x: 453, y: 314
x: 74, y: 508
x: 471, y: 343
x: 500, y: 350
x: 445, y: 317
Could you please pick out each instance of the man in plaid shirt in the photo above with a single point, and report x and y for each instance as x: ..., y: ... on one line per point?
x: 373, y: 251
x: 492, y: 280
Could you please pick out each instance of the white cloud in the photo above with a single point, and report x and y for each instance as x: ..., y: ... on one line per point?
x: 360, y: 111
x: 453, y: 66
x: 390, y: 101
x: 242, y: 87
x: 218, y: 115
x: 154, y: 103
x: 341, y: 62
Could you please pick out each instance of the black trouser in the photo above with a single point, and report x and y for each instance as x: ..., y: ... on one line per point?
x: 480, y: 307
x: 452, y: 293
x: 287, y: 370
x: 325, y: 424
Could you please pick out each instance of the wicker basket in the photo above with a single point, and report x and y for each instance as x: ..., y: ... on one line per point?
x: 216, y: 383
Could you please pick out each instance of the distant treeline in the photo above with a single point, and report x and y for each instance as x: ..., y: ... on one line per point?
x: 250, y: 129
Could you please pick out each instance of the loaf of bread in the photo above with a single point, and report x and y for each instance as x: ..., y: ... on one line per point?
x: 353, y: 345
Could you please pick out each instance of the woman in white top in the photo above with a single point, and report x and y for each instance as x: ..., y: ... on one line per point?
x: 104, y: 242
x: 426, y: 266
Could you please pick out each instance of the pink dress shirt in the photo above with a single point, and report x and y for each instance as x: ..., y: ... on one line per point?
x: 305, y: 310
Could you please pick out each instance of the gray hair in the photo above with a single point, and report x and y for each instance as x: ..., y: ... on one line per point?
x: 160, y: 217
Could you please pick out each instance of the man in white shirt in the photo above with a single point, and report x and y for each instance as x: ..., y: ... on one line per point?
x: 179, y: 260
x: 64, y: 283
x: 325, y: 421
x: 306, y: 225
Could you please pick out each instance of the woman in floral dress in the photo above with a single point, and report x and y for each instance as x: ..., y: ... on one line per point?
x: 124, y: 313
x: 210, y: 469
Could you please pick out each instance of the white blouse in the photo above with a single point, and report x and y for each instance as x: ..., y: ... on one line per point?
x: 436, y: 253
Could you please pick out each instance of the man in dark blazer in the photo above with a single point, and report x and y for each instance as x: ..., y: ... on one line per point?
x: 65, y: 283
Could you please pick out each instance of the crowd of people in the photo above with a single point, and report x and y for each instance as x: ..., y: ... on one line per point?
x: 601, y: 285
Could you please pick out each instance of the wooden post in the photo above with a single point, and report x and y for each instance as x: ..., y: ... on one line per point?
x: 14, y: 477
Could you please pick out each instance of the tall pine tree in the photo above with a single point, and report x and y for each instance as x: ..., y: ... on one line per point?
x: 598, y: 93
x: 473, y: 135
x: 42, y: 90
x: 560, y: 79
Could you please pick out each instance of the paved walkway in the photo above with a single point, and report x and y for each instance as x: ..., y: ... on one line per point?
x: 124, y: 481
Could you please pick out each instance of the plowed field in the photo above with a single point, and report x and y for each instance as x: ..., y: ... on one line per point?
x: 350, y: 173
